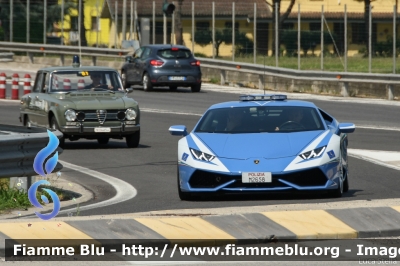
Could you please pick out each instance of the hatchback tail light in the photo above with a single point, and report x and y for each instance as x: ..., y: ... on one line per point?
x: 156, y: 62
x: 195, y: 63
x: 174, y: 48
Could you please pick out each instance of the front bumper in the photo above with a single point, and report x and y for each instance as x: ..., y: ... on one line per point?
x: 84, y: 130
x: 194, y: 180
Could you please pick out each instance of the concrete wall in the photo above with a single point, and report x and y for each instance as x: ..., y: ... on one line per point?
x: 239, y: 79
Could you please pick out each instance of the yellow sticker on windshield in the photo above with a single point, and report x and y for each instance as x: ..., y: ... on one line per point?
x: 84, y: 73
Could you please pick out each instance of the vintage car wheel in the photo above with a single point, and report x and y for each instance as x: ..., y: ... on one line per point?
x: 54, y: 125
x: 133, y: 140
x: 146, y: 82
x: 27, y: 122
x: 196, y: 88
x: 182, y: 195
x: 103, y: 140
x: 173, y: 88
x: 124, y: 82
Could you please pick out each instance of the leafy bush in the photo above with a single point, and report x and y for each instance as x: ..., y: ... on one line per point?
x: 385, y: 49
x: 199, y: 55
x: 308, y: 40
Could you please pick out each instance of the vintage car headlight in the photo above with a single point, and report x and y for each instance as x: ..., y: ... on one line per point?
x: 313, y: 153
x: 70, y: 115
x: 130, y: 114
x: 202, y: 156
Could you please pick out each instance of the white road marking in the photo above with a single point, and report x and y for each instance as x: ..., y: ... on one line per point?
x: 149, y: 110
x: 378, y: 127
x: 125, y: 191
x: 390, y: 159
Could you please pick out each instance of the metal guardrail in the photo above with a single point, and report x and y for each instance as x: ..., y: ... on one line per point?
x: 62, y: 50
x: 18, y: 149
x: 301, y: 74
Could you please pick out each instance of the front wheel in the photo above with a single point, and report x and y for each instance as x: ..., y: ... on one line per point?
x: 346, y: 182
x: 146, y: 82
x: 133, y: 140
x: 196, y: 88
x: 27, y: 122
x: 54, y: 125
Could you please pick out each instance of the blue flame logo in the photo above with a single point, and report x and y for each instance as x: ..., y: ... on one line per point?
x: 49, y: 167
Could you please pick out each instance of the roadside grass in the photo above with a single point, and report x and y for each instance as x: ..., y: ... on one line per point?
x: 355, y: 63
x: 14, y: 198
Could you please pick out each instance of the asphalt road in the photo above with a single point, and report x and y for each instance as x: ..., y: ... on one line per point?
x: 151, y: 168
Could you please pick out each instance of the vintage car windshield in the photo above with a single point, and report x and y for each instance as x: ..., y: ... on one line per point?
x: 65, y: 81
x: 271, y: 119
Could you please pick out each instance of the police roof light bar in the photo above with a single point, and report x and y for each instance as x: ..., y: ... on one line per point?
x: 263, y: 97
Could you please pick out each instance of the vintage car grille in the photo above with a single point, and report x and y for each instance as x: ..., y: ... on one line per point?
x: 311, y: 177
x: 97, y: 115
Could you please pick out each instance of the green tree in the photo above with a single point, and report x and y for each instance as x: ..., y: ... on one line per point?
x: 242, y: 43
x: 36, y: 18
x: 281, y: 19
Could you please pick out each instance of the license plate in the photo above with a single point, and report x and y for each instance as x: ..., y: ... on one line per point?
x: 102, y: 129
x: 257, y: 177
x: 177, y: 78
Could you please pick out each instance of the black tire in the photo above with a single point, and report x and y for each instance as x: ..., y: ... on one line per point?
x: 146, y: 82
x: 173, y: 88
x: 124, y: 81
x: 182, y: 195
x: 103, y: 140
x: 133, y: 140
x: 196, y: 88
x: 346, y: 183
x: 337, y: 193
x: 54, y: 125
x: 27, y: 122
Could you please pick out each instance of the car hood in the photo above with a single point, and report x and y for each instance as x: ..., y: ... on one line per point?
x: 97, y: 102
x: 266, y: 145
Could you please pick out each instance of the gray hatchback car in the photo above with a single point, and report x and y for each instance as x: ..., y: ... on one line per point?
x: 162, y: 65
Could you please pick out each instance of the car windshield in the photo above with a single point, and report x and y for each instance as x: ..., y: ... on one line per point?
x: 271, y: 119
x: 85, y: 80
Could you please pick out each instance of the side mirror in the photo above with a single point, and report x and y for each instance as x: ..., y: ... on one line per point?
x: 178, y: 130
x: 129, y: 90
x: 347, y: 127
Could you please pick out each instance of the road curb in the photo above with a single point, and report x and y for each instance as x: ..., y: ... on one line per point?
x: 250, y: 227
x: 82, y: 195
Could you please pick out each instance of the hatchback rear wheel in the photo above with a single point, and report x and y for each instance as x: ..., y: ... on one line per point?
x: 196, y: 88
x: 146, y: 82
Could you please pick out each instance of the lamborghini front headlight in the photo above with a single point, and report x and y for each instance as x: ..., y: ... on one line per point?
x: 202, y: 156
x: 313, y: 153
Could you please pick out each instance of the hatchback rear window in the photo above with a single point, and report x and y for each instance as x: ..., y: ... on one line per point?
x: 168, y: 53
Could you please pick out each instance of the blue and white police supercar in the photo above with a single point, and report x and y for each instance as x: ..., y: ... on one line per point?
x: 263, y: 143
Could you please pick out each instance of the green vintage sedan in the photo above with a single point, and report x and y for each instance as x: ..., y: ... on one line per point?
x: 82, y: 102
